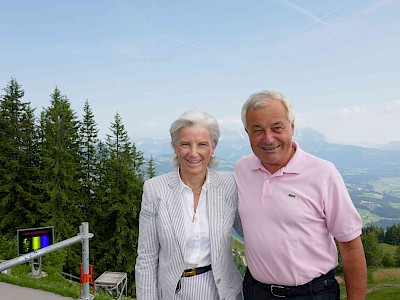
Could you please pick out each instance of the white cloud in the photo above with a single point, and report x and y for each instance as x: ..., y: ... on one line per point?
x: 152, y: 125
x: 343, y: 112
x: 375, y: 123
x: 390, y: 108
x: 231, y: 122
x: 360, y: 110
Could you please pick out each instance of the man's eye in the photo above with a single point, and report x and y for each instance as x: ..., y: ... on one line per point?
x: 278, y: 128
x: 257, y: 131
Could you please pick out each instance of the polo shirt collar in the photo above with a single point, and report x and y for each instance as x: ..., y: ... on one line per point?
x: 295, y: 164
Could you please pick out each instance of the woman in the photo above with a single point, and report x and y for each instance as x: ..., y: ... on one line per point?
x: 186, y: 221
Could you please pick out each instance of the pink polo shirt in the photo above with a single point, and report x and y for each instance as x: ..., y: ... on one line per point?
x: 289, y: 218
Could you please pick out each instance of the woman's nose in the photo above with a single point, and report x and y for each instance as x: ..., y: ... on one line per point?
x: 193, y: 150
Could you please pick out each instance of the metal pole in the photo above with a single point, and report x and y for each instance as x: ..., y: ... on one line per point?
x: 85, y: 295
x: 83, y: 236
x: 35, y: 254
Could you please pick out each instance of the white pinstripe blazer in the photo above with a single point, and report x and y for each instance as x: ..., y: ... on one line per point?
x: 160, y: 260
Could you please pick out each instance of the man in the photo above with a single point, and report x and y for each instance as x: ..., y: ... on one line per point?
x: 292, y: 204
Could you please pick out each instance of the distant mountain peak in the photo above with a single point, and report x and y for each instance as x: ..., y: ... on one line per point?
x: 309, y: 134
x: 394, y: 145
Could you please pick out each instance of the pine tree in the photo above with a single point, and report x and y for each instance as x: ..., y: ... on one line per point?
x: 381, y: 234
x: 88, y: 136
x: 392, y: 235
x: 150, y: 169
x: 118, y: 210
x: 397, y: 257
x: 387, y: 260
x: 372, y: 249
x: 18, y: 162
x: 60, y: 162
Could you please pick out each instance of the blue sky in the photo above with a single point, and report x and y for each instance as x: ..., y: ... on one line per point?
x: 150, y: 60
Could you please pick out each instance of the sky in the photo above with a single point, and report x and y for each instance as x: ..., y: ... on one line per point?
x: 338, y: 61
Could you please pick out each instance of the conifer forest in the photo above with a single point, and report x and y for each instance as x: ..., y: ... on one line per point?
x: 55, y: 171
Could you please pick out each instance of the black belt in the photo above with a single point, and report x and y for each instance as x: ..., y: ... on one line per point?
x: 196, y: 271
x: 319, y: 284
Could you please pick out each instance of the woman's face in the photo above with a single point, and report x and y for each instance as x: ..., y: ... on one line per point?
x: 194, y: 149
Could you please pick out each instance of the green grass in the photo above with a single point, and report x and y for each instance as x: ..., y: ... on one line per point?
x: 368, y: 217
x: 394, y: 204
x: 386, y: 293
x: 382, y: 283
x: 389, y: 185
x: 355, y: 171
x: 53, y: 282
x: 237, y: 245
x: 387, y: 248
x: 371, y: 195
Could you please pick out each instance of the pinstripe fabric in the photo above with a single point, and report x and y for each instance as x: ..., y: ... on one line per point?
x: 160, y: 262
x: 198, y: 288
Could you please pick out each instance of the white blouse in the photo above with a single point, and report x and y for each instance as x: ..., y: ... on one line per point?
x: 198, y: 252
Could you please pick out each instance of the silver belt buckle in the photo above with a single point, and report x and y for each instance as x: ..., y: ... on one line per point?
x: 278, y: 287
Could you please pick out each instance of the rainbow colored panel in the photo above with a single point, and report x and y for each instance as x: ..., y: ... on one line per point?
x: 36, y: 243
x: 45, y: 241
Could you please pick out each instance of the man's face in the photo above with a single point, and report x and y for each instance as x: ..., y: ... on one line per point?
x: 270, y: 134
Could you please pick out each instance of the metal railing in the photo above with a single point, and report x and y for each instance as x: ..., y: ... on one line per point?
x: 71, y: 277
x: 83, y: 236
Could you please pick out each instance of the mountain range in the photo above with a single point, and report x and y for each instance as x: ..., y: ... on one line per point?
x: 372, y: 175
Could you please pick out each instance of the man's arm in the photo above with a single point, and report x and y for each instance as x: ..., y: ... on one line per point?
x: 354, y: 268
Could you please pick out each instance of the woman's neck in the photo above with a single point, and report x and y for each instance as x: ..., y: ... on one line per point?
x: 194, y: 182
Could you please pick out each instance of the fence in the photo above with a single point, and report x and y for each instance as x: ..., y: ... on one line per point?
x: 83, y: 237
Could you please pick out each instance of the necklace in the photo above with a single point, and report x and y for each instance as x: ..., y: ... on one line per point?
x: 194, y: 214
x: 199, y: 188
x: 197, y: 193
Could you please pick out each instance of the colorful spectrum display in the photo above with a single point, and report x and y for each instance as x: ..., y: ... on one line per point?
x: 33, y: 239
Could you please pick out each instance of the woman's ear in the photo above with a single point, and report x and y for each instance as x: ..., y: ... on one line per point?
x: 215, y: 144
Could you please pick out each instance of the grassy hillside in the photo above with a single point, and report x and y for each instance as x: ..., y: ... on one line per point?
x: 53, y: 282
x: 383, y: 284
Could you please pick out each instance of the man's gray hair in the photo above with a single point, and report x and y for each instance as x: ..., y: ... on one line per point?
x: 259, y: 99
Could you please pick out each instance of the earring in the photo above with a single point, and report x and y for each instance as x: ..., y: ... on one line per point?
x: 212, y: 156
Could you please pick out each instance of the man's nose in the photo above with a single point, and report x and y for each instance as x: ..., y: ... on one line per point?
x: 268, y: 136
